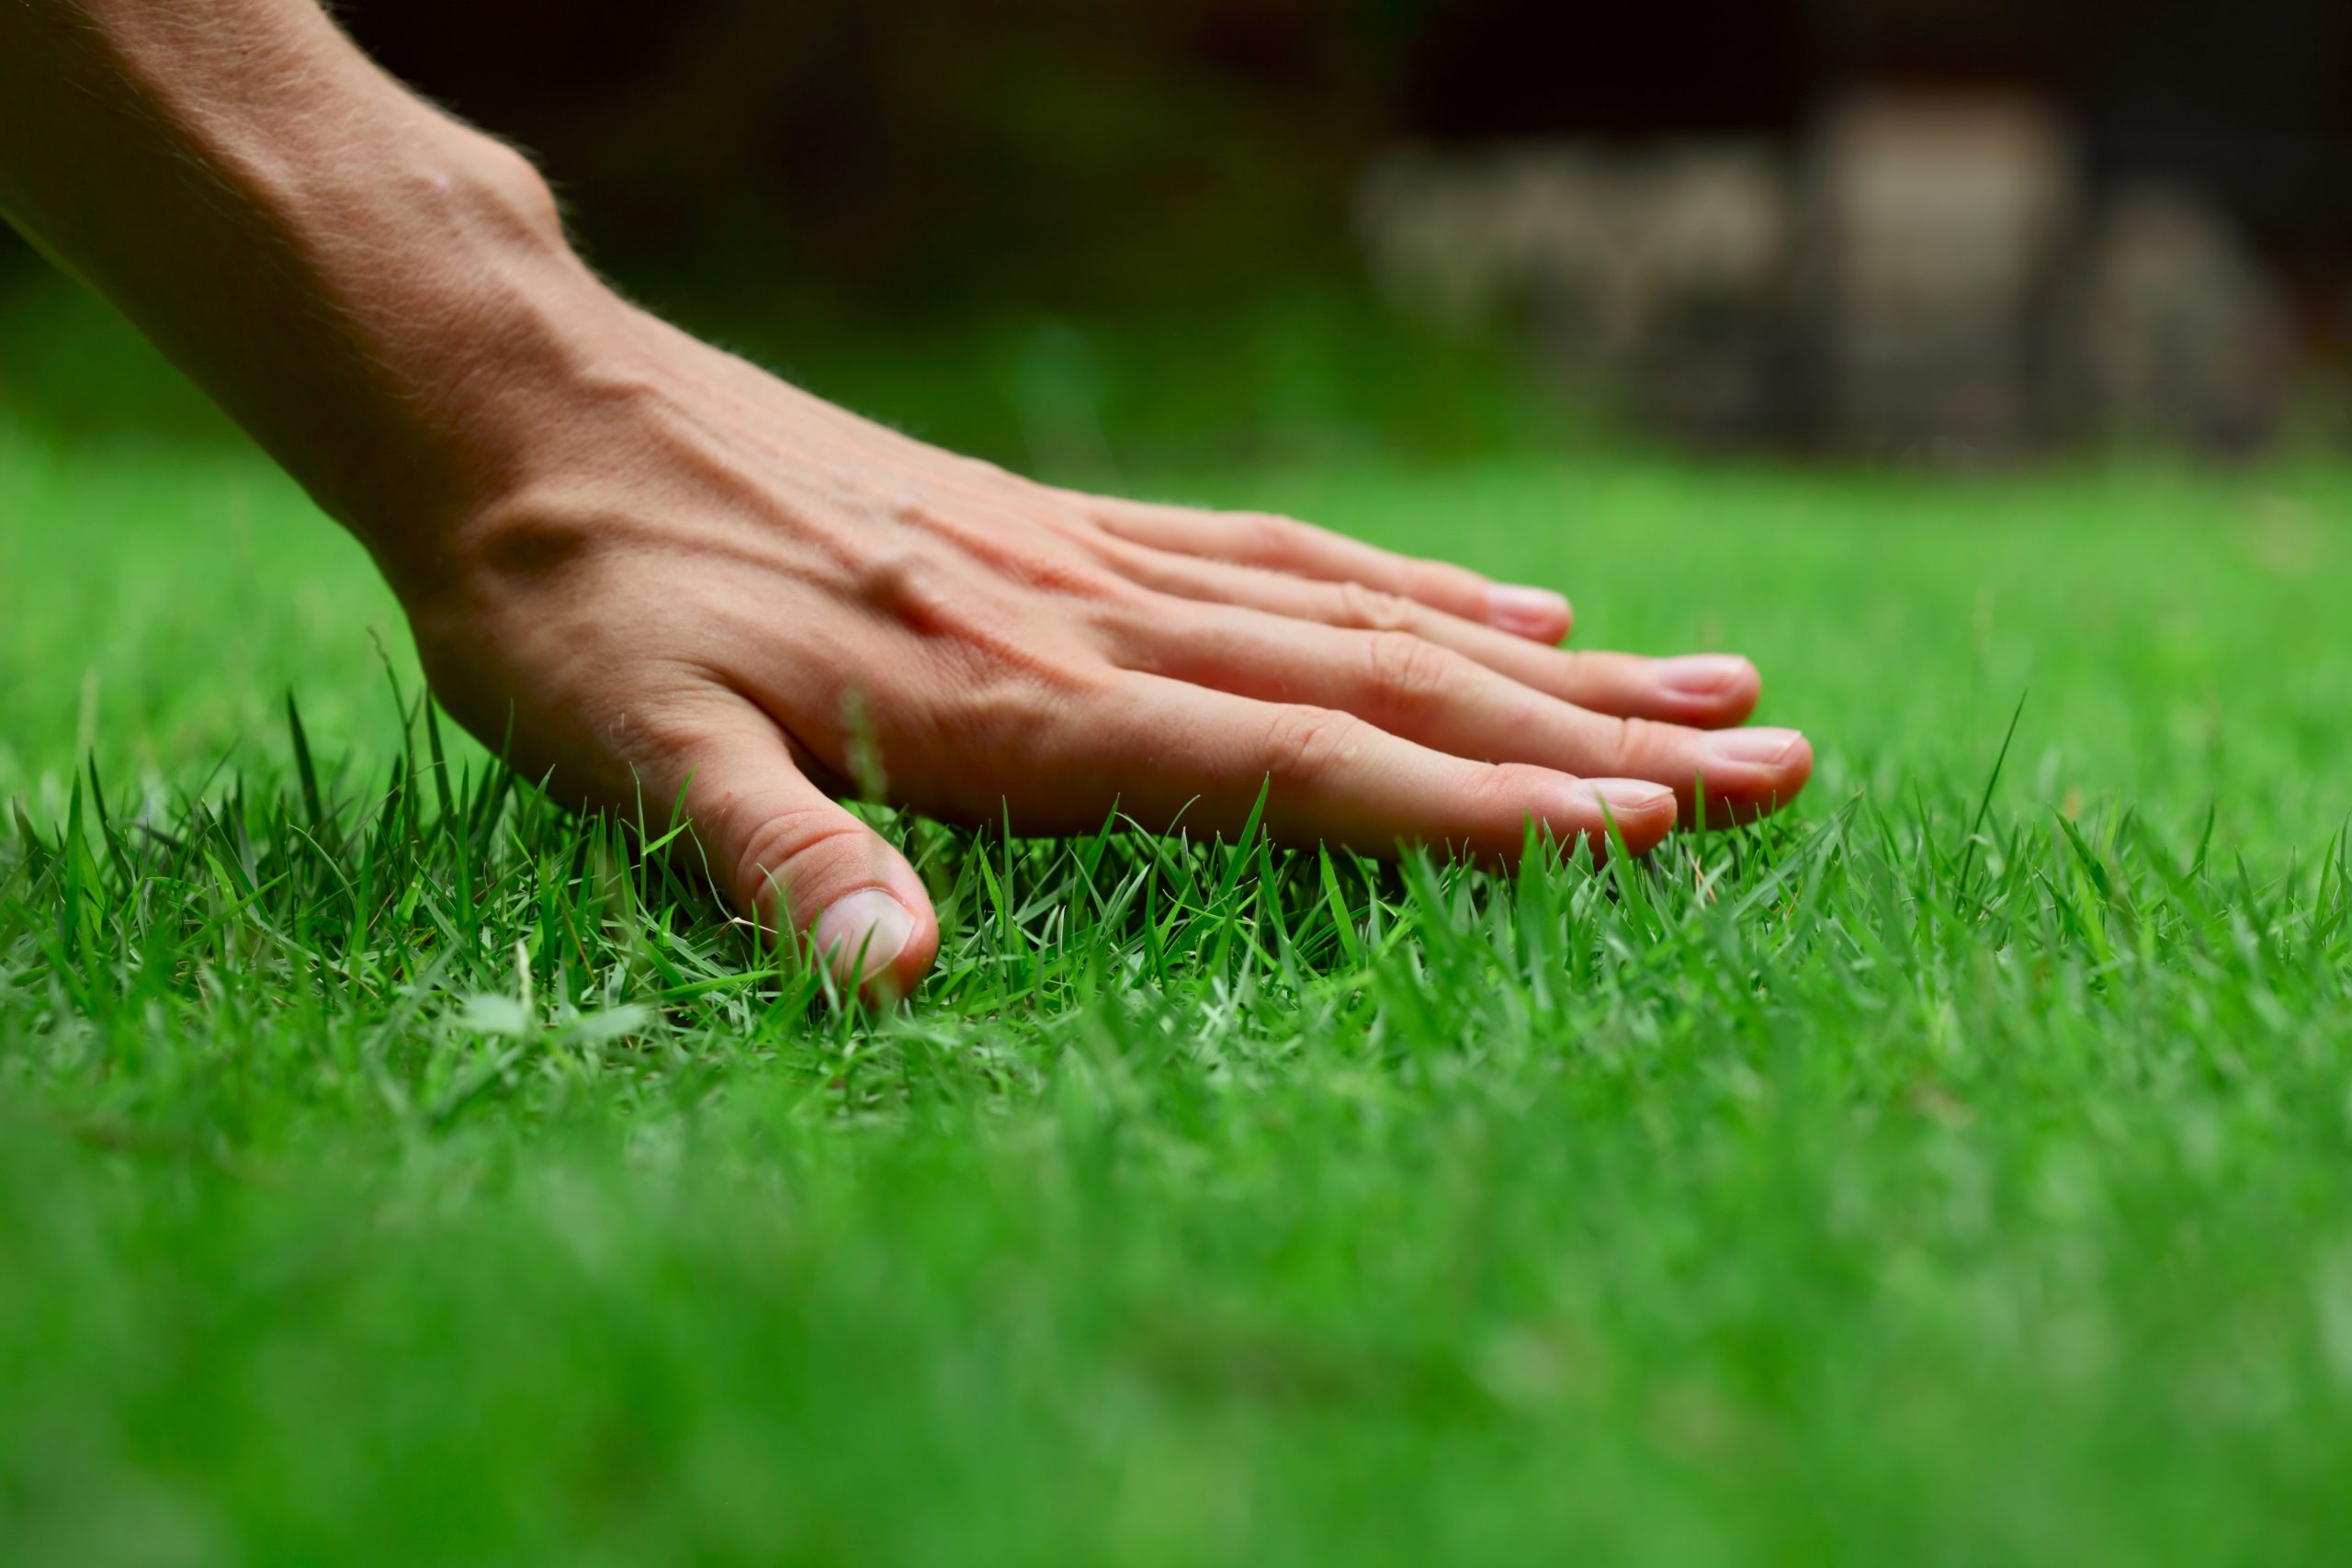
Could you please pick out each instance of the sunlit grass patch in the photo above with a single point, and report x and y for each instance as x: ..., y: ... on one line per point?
x: 395, y: 1168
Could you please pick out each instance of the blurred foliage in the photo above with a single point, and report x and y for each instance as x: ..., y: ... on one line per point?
x: 1082, y: 235
x: 1097, y: 397
x: 917, y: 156
x: 1043, y: 154
x: 1065, y: 155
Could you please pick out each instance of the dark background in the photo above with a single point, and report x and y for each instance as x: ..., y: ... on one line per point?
x: 785, y: 170
x: 1060, y: 153
x: 1071, y: 153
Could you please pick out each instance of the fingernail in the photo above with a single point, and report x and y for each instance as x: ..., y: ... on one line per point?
x: 1702, y: 674
x: 863, y: 934
x: 1752, y: 745
x: 1630, y: 795
x: 1529, y: 612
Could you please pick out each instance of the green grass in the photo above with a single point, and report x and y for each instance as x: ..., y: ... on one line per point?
x: 391, y: 1170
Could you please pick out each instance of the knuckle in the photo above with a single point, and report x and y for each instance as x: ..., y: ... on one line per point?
x: 990, y: 715
x: 1151, y: 585
x: 1142, y: 628
x: 1126, y: 521
x: 1130, y: 562
x: 898, y: 580
x: 1303, y: 745
x: 1510, y: 791
x: 1405, y: 671
x: 910, y: 588
x: 1084, y: 584
x: 1048, y: 553
x: 779, y: 852
x: 1641, y: 738
x: 1274, y: 539
x: 1373, y: 609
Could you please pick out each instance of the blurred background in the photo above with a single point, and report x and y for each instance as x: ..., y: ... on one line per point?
x: 1079, y: 235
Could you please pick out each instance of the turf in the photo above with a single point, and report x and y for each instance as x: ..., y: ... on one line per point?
x: 1957, y: 1170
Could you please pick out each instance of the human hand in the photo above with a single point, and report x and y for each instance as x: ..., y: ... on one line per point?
x: 694, y: 582
x: 651, y: 572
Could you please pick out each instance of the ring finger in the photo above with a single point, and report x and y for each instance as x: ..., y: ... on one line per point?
x: 1709, y: 689
x: 1438, y: 697
x: 1281, y: 545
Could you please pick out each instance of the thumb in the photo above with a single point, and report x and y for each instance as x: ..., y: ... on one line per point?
x: 789, y: 855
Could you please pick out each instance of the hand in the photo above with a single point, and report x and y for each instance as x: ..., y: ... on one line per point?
x: 698, y: 580
x: 654, y: 573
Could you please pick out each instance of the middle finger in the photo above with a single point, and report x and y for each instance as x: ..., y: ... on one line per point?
x: 1709, y: 689
x: 1444, y: 699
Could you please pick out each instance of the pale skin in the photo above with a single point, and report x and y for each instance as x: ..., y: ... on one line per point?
x: 653, y: 573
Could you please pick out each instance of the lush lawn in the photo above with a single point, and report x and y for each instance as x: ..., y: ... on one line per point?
x: 395, y: 1172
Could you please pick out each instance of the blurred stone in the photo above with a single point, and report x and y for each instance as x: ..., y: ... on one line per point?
x: 1464, y: 241
x: 1932, y: 280
x: 1713, y: 252
x: 1938, y: 227
x: 2189, y: 335
x: 1662, y: 270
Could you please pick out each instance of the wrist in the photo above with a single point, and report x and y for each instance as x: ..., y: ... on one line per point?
x: 435, y: 310
x: 500, y: 363
x: 356, y: 278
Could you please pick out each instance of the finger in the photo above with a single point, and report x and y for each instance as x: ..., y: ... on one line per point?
x: 790, y: 856
x: 1445, y: 701
x: 1301, y: 549
x: 1174, y: 753
x: 1709, y: 690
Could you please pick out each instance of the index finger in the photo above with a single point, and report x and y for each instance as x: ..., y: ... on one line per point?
x: 1301, y: 549
x: 1171, y: 750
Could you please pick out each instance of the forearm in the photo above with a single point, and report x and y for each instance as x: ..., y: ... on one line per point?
x: 362, y: 282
